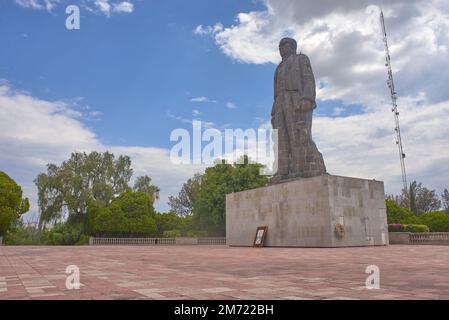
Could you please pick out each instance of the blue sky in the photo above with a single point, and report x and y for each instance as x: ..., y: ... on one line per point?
x: 125, y: 80
x: 135, y: 68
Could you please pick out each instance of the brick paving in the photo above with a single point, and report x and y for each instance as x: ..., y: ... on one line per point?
x: 220, y: 272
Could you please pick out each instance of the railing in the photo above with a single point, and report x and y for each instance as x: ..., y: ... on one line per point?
x: 430, y: 238
x: 210, y: 240
x: 154, y: 241
x: 131, y: 241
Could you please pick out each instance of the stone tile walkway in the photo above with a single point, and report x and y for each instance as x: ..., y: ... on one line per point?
x: 220, y: 272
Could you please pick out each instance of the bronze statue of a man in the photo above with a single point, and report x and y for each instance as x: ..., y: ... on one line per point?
x: 294, y: 101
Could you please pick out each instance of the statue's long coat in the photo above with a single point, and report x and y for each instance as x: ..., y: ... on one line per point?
x: 298, y: 155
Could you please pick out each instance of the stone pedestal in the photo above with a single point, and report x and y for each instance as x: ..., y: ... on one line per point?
x: 324, y: 211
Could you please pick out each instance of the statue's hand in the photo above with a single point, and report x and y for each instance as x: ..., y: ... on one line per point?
x: 307, y: 105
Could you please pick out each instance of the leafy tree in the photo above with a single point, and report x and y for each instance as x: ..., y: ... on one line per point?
x: 143, y: 184
x: 167, y: 221
x: 62, y: 234
x: 416, y: 228
x: 437, y: 221
x: 412, y: 197
x: 130, y: 214
x: 172, y: 234
x: 84, y: 178
x: 420, y: 199
x: 171, y: 221
x: 108, y: 220
x: 183, y: 204
x: 12, y: 205
x: 209, y: 208
x: 445, y: 200
x: 400, y: 215
x: 22, y: 234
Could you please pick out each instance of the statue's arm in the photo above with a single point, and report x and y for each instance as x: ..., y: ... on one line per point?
x: 275, y: 83
x: 275, y: 93
x: 309, y: 92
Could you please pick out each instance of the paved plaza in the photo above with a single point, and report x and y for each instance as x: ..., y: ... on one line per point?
x: 221, y: 272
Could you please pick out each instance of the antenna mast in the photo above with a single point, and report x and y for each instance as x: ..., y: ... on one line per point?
x: 394, y: 98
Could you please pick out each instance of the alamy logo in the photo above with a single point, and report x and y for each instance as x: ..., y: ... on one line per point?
x: 373, y: 280
x: 209, y: 145
x: 72, y: 281
x: 73, y: 21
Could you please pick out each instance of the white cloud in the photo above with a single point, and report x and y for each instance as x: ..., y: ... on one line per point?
x: 202, y: 99
x: 34, y: 4
x: 338, y: 111
x: 231, y: 105
x: 95, y: 114
x: 200, y: 30
x: 124, y: 6
x: 103, y: 6
x: 35, y: 132
x: 108, y: 6
x: 196, y: 112
x: 363, y: 145
x: 206, y: 124
x: 38, y: 4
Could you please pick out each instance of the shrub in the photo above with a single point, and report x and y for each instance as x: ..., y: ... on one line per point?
x: 416, y: 228
x: 21, y: 234
x: 131, y: 215
x: 12, y: 205
x: 436, y: 221
x: 397, y: 214
x: 172, y: 233
x: 62, y: 234
x: 397, y: 227
x: 83, y: 240
x: 196, y: 233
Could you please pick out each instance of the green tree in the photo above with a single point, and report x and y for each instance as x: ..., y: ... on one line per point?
x: 130, y: 214
x: 412, y: 197
x: 445, y: 200
x: 171, y: 221
x: 183, y: 204
x: 399, y: 215
x: 143, y: 184
x: 167, y: 221
x: 437, y: 221
x: 12, y: 205
x: 84, y: 178
x: 419, y: 199
x: 218, y: 181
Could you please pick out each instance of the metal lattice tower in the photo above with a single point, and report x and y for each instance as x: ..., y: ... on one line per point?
x: 394, y: 98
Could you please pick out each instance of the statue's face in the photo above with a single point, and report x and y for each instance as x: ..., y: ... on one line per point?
x: 286, y: 49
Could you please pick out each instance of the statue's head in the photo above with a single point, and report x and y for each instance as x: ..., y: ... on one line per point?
x: 287, y: 47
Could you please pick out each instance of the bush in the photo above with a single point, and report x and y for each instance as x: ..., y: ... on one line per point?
x: 12, y: 205
x: 172, y: 234
x: 416, y: 228
x: 436, y: 221
x: 196, y: 233
x: 399, y: 215
x: 21, y: 234
x: 209, y: 211
x: 129, y: 215
x: 62, y: 234
x: 83, y: 240
x: 397, y: 227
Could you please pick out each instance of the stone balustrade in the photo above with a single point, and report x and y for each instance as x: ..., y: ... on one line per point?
x: 157, y: 241
x: 431, y: 238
